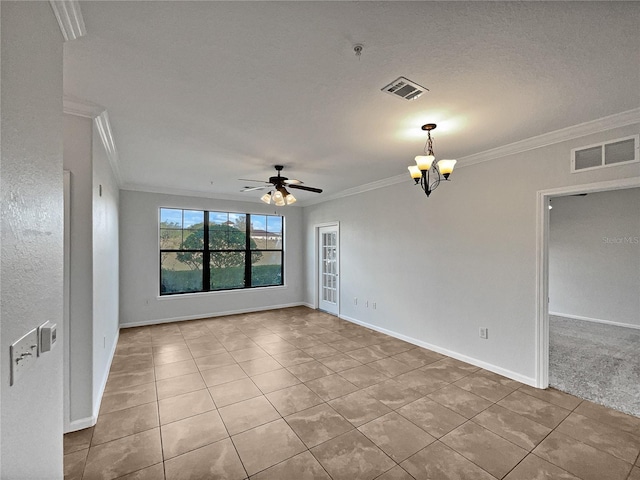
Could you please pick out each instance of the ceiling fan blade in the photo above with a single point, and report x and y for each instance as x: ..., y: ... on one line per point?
x: 293, y: 181
x: 251, y: 189
x: 249, y: 180
x: 308, y: 189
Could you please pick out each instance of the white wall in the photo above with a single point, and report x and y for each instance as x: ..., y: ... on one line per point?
x: 77, y: 160
x: 105, y: 267
x: 140, y: 302
x: 594, y: 257
x: 441, y: 268
x: 32, y: 236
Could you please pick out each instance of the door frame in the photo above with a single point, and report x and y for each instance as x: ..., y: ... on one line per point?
x: 542, y: 263
x: 316, y: 262
x: 66, y: 300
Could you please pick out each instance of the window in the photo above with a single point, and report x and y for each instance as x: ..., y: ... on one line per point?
x: 203, y: 251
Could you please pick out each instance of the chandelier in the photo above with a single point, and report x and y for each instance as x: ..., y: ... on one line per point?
x: 426, y: 171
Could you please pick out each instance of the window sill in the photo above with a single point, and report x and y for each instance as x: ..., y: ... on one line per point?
x: 218, y: 292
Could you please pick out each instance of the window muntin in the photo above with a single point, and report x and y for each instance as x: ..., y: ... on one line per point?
x: 243, y: 251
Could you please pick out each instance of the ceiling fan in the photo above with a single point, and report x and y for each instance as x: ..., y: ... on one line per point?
x: 279, y: 194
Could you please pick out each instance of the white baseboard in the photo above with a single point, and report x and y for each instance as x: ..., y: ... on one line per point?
x: 82, y: 423
x: 595, y: 320
x: 449, y: 353
x: 208, y: 315
x: 308, y: 305
x: 103, y: 384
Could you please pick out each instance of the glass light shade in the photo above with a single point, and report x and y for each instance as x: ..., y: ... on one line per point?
x: 446, y: 167
x: 424, y: 161
x: 414, y: 171
x: 290, y: 199
x: 266, y: 198
x: 277, y: 198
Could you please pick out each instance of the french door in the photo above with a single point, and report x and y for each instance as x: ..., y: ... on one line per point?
x: 328, y: 269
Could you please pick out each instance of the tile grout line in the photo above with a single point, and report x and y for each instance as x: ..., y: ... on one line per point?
x: 543, y: 439
x: 164, y: 470
x: 230, y: 438
x: 309, y: 323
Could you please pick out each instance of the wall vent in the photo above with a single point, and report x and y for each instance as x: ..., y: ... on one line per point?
x: 405, y: 88
x: 607, y: 154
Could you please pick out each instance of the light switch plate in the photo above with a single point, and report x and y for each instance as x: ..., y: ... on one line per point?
x: 23, y: 354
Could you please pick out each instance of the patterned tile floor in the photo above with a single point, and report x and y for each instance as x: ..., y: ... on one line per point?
x: 298, y: 394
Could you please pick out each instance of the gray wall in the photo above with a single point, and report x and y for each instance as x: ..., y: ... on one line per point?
x: 94, y: 263
x: 594, y: 257
x: 139, y: 270
x: 32, y: 236
x: 106, y: 263
x: 441, y: 268
x: 77, y: 160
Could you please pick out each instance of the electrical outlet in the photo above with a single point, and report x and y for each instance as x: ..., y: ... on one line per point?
x: 374, y: 305
x: 484, y: 333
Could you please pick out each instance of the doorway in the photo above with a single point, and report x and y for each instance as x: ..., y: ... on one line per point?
x: 594, y: 306
x: 328, y: 261
x: 542, y: 270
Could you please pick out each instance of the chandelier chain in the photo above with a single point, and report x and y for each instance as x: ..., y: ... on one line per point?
x: 429, y: 145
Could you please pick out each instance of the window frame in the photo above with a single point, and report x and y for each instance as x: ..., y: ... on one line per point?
x: 207, y: 252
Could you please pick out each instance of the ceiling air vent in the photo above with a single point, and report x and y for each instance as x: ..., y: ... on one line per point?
x: 405, y: 88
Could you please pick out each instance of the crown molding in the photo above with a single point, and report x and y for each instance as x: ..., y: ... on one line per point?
x: 81, y: 108
x: 181, y: 192
x: 69, y: 18
x: 610, y: 122
x: 623, y: 119
x: 569, y: 133
x: 100, y: 117
x: 103, y: 126
x: 184, y: 192
x: 359, y: 189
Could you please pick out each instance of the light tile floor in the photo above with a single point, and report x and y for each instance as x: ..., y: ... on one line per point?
x: 298, y: 394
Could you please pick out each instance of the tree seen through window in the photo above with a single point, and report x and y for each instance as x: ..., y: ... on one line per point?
x: 243, y: 251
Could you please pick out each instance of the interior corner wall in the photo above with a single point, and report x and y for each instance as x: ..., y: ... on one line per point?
x: 32, y: 236
x: 140, y: 302
x: 439, y: 268
x: 105, y: 199
x: 78, y: 147
x: 594, y: 257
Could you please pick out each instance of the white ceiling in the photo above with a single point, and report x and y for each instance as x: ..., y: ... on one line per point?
x: 200, y: 94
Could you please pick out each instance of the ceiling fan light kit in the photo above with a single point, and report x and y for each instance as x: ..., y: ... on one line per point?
x: 427, y: 172
x: 280, y: 196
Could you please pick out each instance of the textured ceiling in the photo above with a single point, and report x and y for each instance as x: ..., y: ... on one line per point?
x: 200, y: 94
